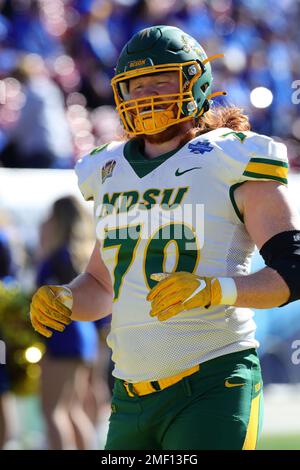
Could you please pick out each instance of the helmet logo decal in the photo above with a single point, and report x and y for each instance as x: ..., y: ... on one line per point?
x: 137, y: 63
x: 190, y: 44
x: 187, y: 46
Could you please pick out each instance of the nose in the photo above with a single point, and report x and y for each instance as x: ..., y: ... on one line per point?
x: 145, y: 104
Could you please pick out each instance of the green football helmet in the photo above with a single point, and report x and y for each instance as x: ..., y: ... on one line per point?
x: 157, y: 50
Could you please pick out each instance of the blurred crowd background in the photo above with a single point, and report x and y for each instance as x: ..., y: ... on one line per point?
x: 56, y: 61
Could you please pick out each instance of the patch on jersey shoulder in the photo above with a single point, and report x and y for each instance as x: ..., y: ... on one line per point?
x: 200, y: 146
x: 98, y: 149
x: 107, y: 169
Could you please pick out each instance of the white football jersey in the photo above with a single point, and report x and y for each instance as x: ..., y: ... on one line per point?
x: 175, y: 213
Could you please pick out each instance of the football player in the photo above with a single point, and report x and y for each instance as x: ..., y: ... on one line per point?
x: 179, y: 206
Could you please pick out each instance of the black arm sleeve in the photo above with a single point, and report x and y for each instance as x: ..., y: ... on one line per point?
x: 282, y: 253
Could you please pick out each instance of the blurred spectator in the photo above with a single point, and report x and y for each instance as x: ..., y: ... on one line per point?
x: 106, y: 124
x: 41, y: 137
x: 8, y: 414
x: 28, y: 30
x: 66, y: 238
x: 5, y: 257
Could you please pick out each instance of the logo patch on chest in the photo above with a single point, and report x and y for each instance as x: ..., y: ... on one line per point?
x: 107, y: 169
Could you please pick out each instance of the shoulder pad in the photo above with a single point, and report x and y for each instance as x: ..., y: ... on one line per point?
x: 253, y: 156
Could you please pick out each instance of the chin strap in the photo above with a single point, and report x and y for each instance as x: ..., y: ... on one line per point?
x: 216, y: 93
x: 212, y: 57
x: 206, y: 104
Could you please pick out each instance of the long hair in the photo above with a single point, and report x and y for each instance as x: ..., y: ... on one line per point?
x: 231, y: 117
x: 223, y: 116
x: 69, y: 225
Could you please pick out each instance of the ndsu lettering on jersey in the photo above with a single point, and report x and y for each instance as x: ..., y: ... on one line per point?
x: 167, y: 198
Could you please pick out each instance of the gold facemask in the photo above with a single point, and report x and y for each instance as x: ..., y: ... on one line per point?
x: 153, y: 114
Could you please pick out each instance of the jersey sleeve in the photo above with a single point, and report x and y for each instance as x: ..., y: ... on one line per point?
x: 252, y: 156
x: 85, y: 172
x: 88, y: 172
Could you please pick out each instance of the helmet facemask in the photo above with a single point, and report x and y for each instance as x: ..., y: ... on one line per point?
x: 154, y: 114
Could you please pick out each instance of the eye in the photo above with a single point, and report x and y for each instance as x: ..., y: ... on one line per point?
x: 135, y: 87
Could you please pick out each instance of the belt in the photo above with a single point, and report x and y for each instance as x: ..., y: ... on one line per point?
x: 145, y: 388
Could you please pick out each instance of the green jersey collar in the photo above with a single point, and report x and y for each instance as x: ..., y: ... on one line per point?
x: 141, y: 165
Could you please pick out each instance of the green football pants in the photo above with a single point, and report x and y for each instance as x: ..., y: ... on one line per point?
x: 218, y: 407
